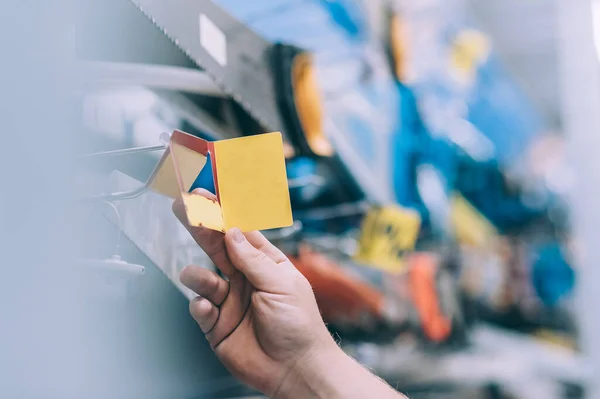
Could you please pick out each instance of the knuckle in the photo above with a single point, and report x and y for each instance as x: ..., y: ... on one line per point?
x: 259, y: 257
x: 193, y: 305
x: 299, y: 282
x: 212, y: 283
x: 210, y: 243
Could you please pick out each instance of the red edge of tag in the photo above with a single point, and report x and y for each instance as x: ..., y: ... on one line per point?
x: 200, y: 146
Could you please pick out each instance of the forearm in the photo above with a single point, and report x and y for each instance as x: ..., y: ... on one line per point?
x: 334, y: 375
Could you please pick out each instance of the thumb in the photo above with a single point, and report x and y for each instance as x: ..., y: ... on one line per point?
x: 260, y: 270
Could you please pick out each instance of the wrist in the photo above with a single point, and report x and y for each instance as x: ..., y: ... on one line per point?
x: 314, y: 374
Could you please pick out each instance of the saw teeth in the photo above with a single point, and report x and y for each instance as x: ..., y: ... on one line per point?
x: 221, y: 84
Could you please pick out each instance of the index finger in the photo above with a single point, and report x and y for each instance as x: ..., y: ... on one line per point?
x: 213, y: 242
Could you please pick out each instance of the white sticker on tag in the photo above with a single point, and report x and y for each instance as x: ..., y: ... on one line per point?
x: 213, y: 40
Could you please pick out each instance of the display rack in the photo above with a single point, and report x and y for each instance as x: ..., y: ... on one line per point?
x: 523, y: 366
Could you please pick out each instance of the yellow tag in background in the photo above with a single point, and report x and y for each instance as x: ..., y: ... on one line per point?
x: 387, y: 233
x: 470, y: 49
x: 469, y: 225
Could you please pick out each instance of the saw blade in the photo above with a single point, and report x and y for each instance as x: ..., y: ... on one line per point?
x: 234, y: 56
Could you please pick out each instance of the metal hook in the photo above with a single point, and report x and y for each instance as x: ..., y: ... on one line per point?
x: 126, y: 151
x: 165, y: 139
x: 119, y: 196
x: 152, y: 76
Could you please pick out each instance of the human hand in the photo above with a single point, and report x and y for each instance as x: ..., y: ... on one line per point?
x: 263, y: 323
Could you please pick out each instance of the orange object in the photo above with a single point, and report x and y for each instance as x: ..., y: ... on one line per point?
x: 423, y: 288
x: 307, y: 98
x: 339, y: 295
x: 399, y: 46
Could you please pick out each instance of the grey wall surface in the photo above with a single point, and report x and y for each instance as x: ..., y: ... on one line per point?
x: 63, y: 333
x: 580, y: 100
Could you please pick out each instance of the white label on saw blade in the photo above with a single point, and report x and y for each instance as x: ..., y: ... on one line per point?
x: 213, y: 40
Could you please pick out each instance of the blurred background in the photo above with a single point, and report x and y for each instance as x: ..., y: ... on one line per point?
x: 441, y: 157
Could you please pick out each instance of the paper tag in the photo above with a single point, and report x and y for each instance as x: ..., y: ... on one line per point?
x: 249, y: 176
x: 252, y: 182
x: 213, y: 40
x: 469, y: 225
x: 428, y: 297
x: 387, y: 233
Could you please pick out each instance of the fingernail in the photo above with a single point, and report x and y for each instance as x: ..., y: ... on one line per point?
x: 238, y: 236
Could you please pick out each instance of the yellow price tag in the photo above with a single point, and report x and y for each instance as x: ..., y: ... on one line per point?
x: 387, y: 233
x: 470, y: 49
x: 469, y: 225
x: 249, y: 175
